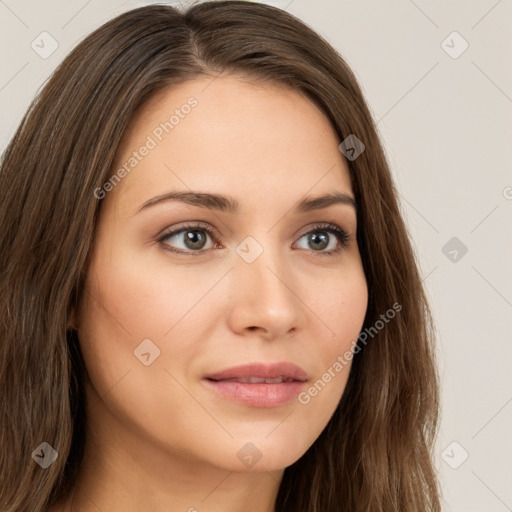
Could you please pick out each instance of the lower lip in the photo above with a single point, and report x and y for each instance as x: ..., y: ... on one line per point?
x: 258, y: 395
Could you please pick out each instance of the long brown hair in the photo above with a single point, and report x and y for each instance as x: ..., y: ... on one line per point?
x: 375, y: 454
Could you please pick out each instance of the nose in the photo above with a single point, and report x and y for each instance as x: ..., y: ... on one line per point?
x: 264, y: 298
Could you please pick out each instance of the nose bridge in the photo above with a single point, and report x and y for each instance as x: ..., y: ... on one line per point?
x: 262, y: 262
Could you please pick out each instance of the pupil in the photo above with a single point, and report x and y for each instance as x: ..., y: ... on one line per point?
x: 195, y: 239
x: 321, y: 238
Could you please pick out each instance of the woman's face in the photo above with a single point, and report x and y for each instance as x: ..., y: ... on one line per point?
x: 229, y: 287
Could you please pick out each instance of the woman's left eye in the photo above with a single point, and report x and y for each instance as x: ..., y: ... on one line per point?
x: 194, y: 239
x: 322, y: 237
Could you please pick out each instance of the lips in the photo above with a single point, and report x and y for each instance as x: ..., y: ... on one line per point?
x: 259, y: 380
x: 258, y: 373
x: 258, y: 384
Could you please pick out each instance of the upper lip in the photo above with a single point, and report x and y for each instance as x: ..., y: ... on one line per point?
x: 262, y: 370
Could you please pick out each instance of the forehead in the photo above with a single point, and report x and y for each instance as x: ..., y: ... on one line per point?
x: 229, y: 134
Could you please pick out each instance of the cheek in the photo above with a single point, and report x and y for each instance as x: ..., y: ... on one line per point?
x: 130, y: 310
x: 341, y: 310
x: 129, y: 300
x: 146, y: 297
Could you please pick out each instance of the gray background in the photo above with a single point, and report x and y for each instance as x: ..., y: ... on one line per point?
x: 444, y: 115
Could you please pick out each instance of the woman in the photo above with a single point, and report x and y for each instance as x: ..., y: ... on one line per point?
x: 209, y: 296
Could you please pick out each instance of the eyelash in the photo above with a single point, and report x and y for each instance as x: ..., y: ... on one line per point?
x: 340, y: 234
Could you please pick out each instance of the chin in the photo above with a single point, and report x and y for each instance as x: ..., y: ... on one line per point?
x: 258, y: 454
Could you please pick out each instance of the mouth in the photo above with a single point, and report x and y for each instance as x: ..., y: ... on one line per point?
x: 258, y: 380
x: 259, y: 385
x: 256, y: 373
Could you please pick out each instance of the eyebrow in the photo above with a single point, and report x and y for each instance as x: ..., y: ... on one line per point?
x: 230, y: 205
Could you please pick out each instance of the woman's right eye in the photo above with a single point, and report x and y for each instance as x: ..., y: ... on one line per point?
x: 191, y: 239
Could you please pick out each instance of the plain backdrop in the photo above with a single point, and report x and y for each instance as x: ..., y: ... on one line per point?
x: 438, y: 79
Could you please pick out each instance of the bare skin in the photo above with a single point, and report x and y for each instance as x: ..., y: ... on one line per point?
x: 158, y: 438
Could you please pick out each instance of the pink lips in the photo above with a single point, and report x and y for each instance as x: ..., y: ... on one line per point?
x: 259, y: 384
x: 262, y: 370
